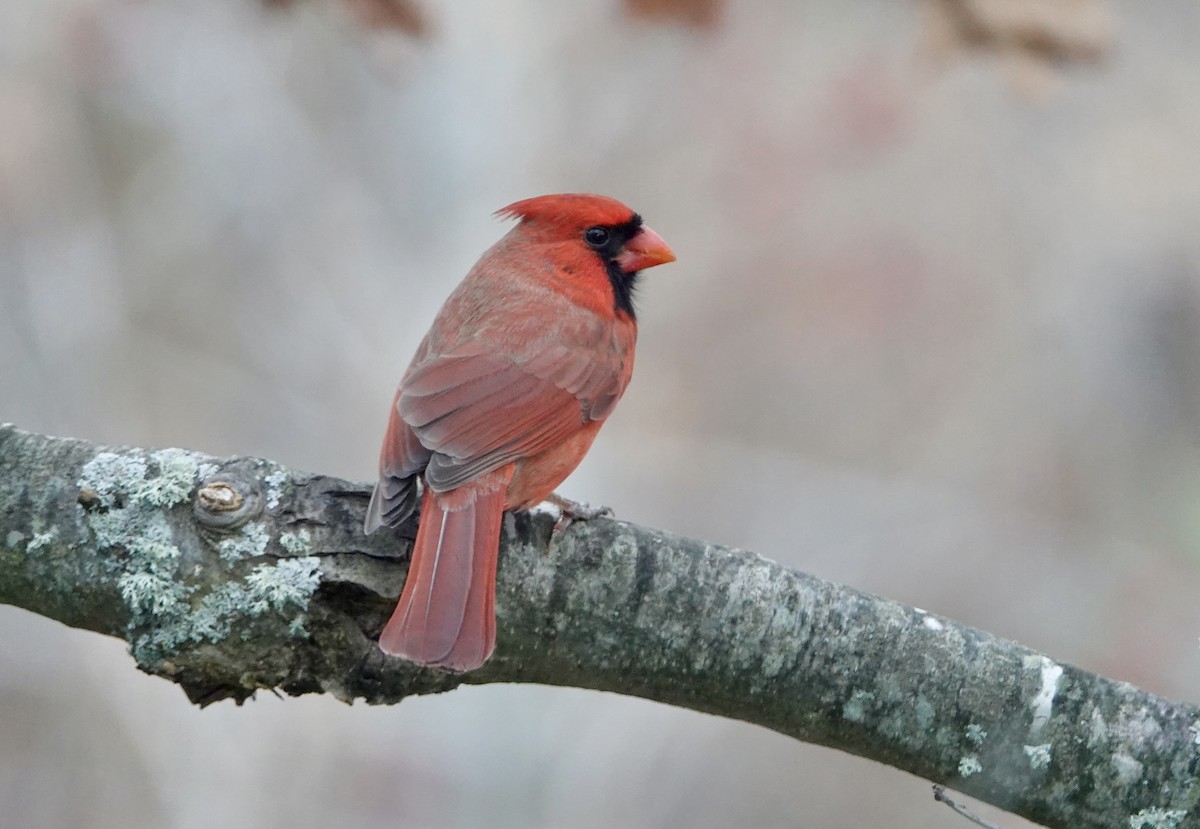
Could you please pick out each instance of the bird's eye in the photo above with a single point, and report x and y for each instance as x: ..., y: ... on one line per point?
x: 597, y: 237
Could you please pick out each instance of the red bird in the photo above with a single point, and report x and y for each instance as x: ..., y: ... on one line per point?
x: 506, y: 393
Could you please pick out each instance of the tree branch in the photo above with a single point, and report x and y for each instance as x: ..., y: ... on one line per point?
x: 227, y: 575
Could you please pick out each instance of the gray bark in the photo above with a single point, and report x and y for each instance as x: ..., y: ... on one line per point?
x: 227, y: 575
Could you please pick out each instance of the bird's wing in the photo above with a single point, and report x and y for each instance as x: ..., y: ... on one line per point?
x: 478, y: 411
x: 400, y: 460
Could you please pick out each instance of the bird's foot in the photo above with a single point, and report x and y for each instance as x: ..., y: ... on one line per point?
x: 570, y: 511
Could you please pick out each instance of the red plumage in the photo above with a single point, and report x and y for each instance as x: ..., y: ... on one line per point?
x: 508, y: 389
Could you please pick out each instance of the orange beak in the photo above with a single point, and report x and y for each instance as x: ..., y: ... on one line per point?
x: 645, y: 250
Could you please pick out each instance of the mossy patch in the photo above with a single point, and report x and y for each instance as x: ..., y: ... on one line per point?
x: 174, y: 596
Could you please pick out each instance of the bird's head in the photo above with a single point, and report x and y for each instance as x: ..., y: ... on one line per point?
x: 597, y: 241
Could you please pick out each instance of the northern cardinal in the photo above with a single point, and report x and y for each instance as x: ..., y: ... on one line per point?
x: 503, y: 398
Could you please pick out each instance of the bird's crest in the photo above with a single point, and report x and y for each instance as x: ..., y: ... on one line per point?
x: 576, y: 209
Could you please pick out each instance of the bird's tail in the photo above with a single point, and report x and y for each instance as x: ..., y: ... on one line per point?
x: 446, y: 616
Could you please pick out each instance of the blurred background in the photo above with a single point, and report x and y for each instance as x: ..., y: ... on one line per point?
x: 934, y: 332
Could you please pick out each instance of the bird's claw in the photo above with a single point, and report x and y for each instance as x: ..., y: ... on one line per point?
x: 571, y: 511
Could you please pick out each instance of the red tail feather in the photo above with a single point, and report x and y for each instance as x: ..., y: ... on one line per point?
x: 446, y: 613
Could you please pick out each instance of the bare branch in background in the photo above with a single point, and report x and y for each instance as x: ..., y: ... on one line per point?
x: 227, y: 575
x: 1065, y: 32
x: 1033, y: 39
x: 407, y: 16
x: 701, y: 14
x: 411, y: 17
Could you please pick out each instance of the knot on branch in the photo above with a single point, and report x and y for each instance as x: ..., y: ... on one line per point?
x: 225, y: 504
